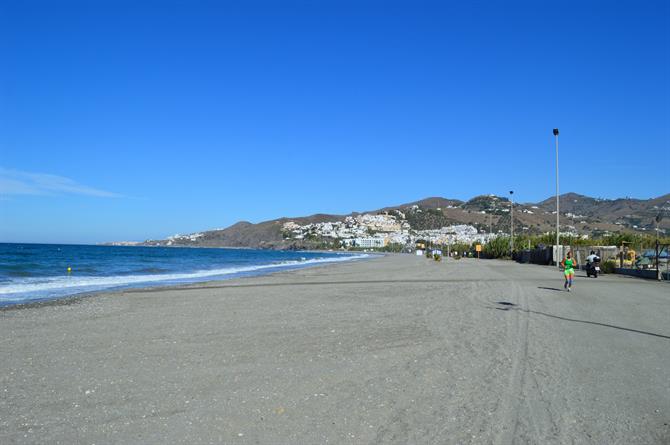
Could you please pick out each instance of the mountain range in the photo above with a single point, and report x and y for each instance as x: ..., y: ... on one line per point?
x: 579, y: 214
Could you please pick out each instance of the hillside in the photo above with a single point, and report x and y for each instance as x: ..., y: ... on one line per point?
x: 629, y: 213
x: 581, y: 215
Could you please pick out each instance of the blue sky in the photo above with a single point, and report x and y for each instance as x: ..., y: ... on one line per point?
x: 134, y: 120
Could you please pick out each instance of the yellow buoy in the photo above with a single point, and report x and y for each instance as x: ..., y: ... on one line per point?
x: 69, y: 270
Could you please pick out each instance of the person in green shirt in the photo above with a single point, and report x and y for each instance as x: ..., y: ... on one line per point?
x: 569, y: 265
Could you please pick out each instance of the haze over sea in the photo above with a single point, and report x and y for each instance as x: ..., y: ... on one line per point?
x: 36, y: 272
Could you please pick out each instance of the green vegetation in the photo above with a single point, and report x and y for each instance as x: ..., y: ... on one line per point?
x: 492, y: 204
x: 317, y: 243
x: 497, y: 248
x: 500, y: 246
x: 644, y: 241
x: 426, y: 219
x: 616, y: 239
x: 461, y: 247
x: 608, y: 266
x: 392, y: 247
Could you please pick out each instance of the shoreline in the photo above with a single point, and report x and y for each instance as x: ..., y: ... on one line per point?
x: 78, y: 297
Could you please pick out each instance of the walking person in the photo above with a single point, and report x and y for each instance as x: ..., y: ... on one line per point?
x: 569, y: 265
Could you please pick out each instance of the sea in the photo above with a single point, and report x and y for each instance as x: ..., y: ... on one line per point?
x: 37, y: 272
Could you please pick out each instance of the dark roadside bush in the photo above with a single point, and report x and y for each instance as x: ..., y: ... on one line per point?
x: 608, y: 266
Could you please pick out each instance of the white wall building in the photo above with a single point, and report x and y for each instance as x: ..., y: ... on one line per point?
x: 367, y: 243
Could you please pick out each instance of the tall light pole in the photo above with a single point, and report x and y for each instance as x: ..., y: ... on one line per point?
x: 511, y: 223
x: 491, y: 220
x: 557, y: 205
x: 659, y: 275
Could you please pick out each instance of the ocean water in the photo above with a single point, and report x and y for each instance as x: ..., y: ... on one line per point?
x: 34, y: 272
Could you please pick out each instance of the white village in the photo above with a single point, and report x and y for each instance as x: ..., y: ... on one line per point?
x: 379, y: 230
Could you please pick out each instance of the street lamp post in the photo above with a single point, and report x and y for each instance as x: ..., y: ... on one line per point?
x: 511, y: 224
x: 491, y: 220
x: 557, y: 205
x: 658, y: 219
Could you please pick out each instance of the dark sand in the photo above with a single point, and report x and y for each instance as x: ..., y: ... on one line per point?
x: 393, y: 350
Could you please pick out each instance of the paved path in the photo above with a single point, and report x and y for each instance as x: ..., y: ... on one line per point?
x: 393, y: 350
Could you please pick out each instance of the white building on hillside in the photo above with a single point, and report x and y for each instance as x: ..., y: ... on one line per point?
x: 366, y: 243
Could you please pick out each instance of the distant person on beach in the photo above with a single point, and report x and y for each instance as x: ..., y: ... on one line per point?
x: 568, y: 264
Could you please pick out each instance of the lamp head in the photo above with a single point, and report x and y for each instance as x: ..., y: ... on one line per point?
x: 555, y: 131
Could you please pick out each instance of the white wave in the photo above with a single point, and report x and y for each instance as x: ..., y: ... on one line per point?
x: 68, y: 285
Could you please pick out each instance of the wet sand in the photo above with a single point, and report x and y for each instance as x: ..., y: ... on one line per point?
x: 398, y: 349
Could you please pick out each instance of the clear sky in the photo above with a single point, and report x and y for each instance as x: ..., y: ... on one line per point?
x: 128, y: 120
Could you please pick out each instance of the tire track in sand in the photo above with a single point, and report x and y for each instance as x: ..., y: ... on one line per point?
x: 524, y: 414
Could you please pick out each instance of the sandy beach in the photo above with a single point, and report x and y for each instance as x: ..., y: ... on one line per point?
x: 396, y: 349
